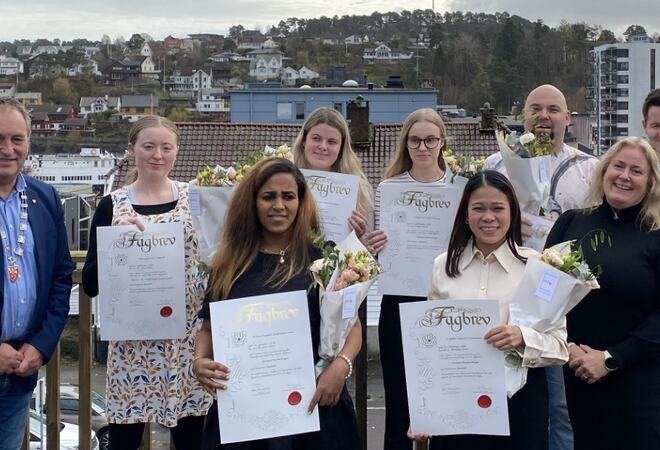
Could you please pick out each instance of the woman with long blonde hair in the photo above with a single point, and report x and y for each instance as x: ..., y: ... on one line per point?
x: 162, y: 389
x: 324, y: 143
x: 267, y: 247
x: 614, y: 332
x: 418, y: 160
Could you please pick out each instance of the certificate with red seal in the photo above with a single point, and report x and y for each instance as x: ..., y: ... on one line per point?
x: 455, y: 380
x: 141, y: 282
x: 266, y: 343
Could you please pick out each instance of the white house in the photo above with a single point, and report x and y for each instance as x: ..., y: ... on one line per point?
x: 211, y: 101
x: 90, y: 50
x: 90, y: 105
x: 306, y: 73
x: 146, y: 50
x: 7, y: 89
x: 52, y: 49
x: 265, y: 64
x: 10, y: 66
x: 289, y: 76
x: 269, y: 43
x: 227, y: 57
x: 87, y: 66
x: 192, y: 80
x: 354, y: 39
x: 384, y: 53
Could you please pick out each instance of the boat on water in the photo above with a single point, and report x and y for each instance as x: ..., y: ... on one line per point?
x: 90, y: 167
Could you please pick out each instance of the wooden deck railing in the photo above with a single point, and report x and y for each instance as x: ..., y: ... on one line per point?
x: 85, y: 380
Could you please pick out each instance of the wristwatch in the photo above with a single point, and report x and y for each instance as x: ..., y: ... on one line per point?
x: 610, y: 363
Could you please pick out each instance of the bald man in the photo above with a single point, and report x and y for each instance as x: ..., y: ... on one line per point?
x: 571, y: 173
x: 571, y: 169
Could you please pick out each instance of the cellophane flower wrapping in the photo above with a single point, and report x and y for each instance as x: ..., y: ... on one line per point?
x: 216, y: 188
x: 544, y: 296
x: 349, y: 278
x: 530, y: 176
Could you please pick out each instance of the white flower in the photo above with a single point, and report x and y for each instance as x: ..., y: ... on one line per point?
x: 231, y: 173
x: 527, y: 138
x: 552, y: 257
x: 317, y: 265
x: 269, y: 151
x: 218, y: 170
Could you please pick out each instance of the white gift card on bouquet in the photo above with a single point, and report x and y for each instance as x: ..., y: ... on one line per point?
x: 349, y: 302
x: 193, y: 201
x: 547, y: 285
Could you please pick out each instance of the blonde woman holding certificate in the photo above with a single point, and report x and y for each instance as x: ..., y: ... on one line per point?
x: 485, y: 261
x: 150, y: 380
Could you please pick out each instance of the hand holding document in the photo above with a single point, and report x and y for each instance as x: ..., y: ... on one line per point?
x: 141, y: 282
x: 265, y: 342
x: 455, y: 380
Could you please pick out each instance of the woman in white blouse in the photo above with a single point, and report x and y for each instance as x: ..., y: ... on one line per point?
x: 484, y: 260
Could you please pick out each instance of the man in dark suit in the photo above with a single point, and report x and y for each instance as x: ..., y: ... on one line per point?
x: 36, y: 274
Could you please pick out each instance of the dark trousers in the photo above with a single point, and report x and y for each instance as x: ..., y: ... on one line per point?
x: 397, y: 419
x: 528, y: 422
x: 186, y: 435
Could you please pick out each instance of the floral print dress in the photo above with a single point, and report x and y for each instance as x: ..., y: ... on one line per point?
x: 152, y: 381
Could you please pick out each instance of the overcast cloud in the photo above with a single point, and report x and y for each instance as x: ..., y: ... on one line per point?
x: 68, y: 19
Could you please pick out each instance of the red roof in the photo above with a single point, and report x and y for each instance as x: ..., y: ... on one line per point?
x: 224, y: 143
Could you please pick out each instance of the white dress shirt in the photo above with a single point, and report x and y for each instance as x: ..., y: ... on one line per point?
x: 496, y: 277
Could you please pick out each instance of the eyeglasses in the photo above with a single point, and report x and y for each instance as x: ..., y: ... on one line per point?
x: 430, y: 142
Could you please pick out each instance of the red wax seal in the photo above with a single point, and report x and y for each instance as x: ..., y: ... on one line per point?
x: 294, y: 398
x: 166, y: 311
x: 484, y: 401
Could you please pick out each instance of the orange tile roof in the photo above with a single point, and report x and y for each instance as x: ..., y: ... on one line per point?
x: 224, y: 143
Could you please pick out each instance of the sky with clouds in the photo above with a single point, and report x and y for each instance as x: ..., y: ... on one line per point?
x: 68, y: 19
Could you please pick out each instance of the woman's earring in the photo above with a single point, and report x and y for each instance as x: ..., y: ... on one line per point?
x: 467, y: 221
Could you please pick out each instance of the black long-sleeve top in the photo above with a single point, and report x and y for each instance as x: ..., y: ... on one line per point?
x: 623, y: 316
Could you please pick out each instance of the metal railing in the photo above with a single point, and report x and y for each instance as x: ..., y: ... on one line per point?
x: 85, y: 324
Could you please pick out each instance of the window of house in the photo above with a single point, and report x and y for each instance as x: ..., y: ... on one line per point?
x: 621, y: 105
x: 300, y: 111
x: 622, y: 118
x: 621, y: 52
x: 622, y: 66
x: 622, y: 79
x: 284, y: 111
x: 622, y: 132
x: 623, y: 92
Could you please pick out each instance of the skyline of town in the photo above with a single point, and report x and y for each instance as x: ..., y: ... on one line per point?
x: 33, y: 19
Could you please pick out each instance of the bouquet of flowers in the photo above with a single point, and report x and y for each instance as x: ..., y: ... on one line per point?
x: 463, y: 165
x: 213, y: 188
x: 551, y: 286
x: 344, y: 276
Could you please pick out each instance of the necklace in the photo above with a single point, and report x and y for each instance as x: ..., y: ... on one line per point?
x: 12, y: 263
x: 282, y: 253
x: 615, y: 212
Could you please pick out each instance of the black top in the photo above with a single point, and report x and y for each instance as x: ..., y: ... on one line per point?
x: 102, y: 218
x: 338, y: 424
x: 623, y: 316
x: 253, y: 283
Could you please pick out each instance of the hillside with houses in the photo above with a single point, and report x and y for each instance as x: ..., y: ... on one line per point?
x: 89, y: 92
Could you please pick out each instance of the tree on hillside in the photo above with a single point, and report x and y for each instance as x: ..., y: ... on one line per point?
x: 135, y: 42
x: 480, y: 91
x: 63, y: 93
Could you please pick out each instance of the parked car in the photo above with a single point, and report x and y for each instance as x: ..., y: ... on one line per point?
x: 68, y: 434
x: 70, y: 405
